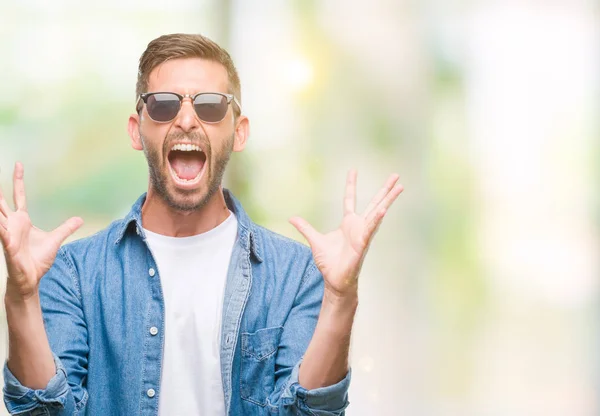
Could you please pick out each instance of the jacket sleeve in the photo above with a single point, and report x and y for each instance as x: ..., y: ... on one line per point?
x: 66, y: 329
x: 289, y: 396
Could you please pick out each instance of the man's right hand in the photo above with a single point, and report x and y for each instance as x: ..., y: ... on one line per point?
x: 29, y: 251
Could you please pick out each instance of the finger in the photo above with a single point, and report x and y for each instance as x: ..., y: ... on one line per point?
x: 387, y: 201
x: 3, y: 220
x: 389, y: 184
x: 350, y: 195
x: 4, y: 208
x: 69, y: 227
x: 19, y: 188
x: 373, y: 224
x: 305, y: 229
x: 4, y: 236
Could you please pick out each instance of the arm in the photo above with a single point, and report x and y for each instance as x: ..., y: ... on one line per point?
x: 289, y: 396
x: 339, y: 256
x: 29, y: 355
x: 326, y: 360
x: 64, y: 324
x: 33, y: 375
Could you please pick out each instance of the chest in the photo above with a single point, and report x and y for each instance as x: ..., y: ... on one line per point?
x: 192, y: 284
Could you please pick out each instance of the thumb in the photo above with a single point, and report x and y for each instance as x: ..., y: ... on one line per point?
x: 305, y: 229
x: 67, y: 228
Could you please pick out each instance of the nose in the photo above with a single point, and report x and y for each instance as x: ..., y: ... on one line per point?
x: 186, y: 119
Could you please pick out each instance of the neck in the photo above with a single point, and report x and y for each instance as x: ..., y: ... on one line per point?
x: 160, y: 218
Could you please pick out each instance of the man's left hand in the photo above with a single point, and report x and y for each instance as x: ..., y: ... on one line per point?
x: 340, y: 253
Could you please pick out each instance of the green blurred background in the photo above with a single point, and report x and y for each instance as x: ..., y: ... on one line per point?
x: 480, y: 293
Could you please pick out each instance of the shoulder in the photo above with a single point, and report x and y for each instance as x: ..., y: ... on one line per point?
x: 76, y: 258
x: 284, y: 255
x: 273, y: 243
x: 98, y: 243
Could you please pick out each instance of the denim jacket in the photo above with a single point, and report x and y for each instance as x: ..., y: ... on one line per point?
x: 103, y: 295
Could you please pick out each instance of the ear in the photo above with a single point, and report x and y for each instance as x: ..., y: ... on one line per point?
x: 242, y: 131
x: 133, y: 128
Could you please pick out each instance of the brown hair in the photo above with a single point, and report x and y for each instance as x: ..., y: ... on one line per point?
x: 180, y: 45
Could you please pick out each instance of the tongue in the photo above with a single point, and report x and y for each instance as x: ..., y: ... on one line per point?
x: 186, y: 166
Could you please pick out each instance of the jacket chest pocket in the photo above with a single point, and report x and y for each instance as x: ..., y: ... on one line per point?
x: 259, y: 350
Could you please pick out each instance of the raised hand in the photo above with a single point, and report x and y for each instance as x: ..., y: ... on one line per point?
x: 29, y: 251
x: 340, y: 253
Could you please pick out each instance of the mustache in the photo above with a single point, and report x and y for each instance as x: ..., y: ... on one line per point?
x: 195, y: 138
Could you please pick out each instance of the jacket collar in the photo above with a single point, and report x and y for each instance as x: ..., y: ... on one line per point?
x: 248, y: 235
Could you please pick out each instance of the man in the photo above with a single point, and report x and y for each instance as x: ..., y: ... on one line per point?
x: 184, y: 307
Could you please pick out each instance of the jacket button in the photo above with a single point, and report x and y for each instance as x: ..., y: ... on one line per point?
x: 151, y: 393
x: 151, y: 272
x: 153, y: 330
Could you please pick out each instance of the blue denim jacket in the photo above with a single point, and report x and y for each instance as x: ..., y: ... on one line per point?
x: 103, y: 294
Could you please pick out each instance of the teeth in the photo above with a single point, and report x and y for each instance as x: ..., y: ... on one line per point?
x: 186, y: 147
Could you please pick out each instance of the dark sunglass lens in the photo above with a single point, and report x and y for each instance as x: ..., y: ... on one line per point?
x: 211, y: 107
x: 163, y: 107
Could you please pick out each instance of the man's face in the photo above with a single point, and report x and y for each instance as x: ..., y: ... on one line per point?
x: 186, y: 179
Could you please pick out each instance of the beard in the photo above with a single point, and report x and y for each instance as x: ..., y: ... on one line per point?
x: 192, y: 199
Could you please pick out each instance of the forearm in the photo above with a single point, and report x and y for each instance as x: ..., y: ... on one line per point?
x: 29, y: 355
x: 326, y: 359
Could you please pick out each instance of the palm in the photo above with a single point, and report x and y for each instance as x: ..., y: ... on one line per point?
x: 29, y: 251
x: 340, y: 253
x: 347, y: 242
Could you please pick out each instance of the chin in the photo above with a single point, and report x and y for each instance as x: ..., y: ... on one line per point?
x: 189, y: 199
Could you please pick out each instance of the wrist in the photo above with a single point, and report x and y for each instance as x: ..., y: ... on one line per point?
x: 21, y: 312
x: 16, y: 296
x: 340, y: 302
x: 336, y: 317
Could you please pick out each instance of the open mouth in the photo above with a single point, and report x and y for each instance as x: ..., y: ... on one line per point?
x: 186, y: 163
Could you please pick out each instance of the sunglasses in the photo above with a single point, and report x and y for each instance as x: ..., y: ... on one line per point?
x: 163, y: 107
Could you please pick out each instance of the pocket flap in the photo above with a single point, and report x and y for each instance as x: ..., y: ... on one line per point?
x: 262, y: 343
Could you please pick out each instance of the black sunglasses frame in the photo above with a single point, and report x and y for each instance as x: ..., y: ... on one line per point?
x: 143, y: 97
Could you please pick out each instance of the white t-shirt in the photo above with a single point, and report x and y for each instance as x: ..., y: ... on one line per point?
x: 193, y: 271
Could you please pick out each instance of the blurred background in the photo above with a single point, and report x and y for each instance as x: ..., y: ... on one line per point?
x: 480, y: 293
